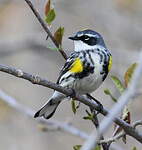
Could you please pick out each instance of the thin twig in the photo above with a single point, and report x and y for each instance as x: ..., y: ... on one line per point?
x: 43, y: 82
x: 105, y: 145
x: 112, y: 139
x: 95, y: 121
x: 123, y: 100
x: 29, y: 112
x: 47, y: 30
x: 118, y: 136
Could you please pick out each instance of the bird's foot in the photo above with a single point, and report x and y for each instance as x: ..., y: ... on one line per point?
x: 73, y: 93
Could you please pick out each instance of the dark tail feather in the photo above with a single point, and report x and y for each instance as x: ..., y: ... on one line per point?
x: 48, y: 110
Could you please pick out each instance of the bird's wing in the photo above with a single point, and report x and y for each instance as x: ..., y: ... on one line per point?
x: 70, y: 65
x: 75, y: 66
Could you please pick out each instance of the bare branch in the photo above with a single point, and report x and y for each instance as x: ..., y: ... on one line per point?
x: 118, y: 136
x: 112, y: 139
x: 12, y: 102
x: 47, y: 30
x: 96, y: 123
x: 43, y: 82
x: 29, y: 112
x: 123, y: 100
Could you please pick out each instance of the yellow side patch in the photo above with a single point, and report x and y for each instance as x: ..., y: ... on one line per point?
x: 77, y: 66
x: 110, y: 63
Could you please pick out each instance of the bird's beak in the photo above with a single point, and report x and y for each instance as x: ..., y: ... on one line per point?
x: 74, y: 38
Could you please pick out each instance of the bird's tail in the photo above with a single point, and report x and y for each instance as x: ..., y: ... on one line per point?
x: 48, y: 110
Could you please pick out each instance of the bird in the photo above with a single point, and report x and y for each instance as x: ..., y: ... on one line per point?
x: 84, y: 70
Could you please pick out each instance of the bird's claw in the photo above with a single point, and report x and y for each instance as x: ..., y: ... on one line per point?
x: 73, y: 93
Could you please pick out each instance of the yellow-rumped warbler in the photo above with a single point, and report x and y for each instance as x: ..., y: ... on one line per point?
x: 84, y: 71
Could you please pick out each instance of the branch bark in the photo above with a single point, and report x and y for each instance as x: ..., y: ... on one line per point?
x: 120, y: 135
x: 29, y: 112
x: 129, y: 130
x: 96, y: 123
x: 12, y: 102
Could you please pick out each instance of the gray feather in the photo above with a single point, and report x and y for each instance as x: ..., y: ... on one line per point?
x: 49, y: 108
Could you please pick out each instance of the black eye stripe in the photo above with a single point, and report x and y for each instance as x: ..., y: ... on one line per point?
x: 89, y: 40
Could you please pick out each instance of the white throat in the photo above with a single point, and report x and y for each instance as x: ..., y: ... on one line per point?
x: 80, y: 46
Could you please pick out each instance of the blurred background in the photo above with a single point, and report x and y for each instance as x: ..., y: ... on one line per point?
x: 23, y: 45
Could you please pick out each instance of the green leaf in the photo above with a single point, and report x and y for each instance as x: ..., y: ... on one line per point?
x: 47, y: 7
x: 107, y: 92
x: 118, y: 84
x: 77, y: 147
x: 89, y: 117
x: 129, y: 73
x: 126, y: 115
x: 50, y: 16
x: 73, y: 106
x: 58, y: 35
x: 98, y: 147
x: 134, y: 148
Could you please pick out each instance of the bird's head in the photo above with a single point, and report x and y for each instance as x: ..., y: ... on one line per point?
x: 87, y: 39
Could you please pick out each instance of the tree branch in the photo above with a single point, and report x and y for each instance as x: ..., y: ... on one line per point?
x: 29, y: 112
x: 118, y: 136
x: 12, y: 102
x: 46, y: 29
x: 69, y: 92
x: 112, y: 139
x: 96, y: 123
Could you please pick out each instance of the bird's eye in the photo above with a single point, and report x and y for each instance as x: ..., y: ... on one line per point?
x: 86, y: 37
